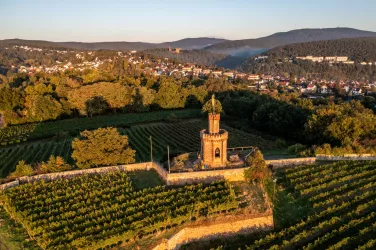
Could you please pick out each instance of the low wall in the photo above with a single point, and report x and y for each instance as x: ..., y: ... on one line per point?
x: 346, y: 157
x: 291, y: 162
x: 191, y: 234
x: 236, y: 174
x: 9, y: 185
x: 54, y: 176
x: 68, y: 174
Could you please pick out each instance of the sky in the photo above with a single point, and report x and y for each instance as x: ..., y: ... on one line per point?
x: 166, y: 20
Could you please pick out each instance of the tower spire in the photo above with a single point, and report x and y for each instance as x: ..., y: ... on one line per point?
x: 213, y: 103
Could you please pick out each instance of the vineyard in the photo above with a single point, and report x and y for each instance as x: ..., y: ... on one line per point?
x: 181, y: 137
x: 105, y: 210
x: 34, y: 153
x: 16, y: 134
x: 343, y: 198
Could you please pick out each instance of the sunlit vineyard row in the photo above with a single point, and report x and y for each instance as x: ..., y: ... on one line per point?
x: 343, y: 197
x: 16, y: 134
x: 182, y: 137
x: 101, y: 210
x: 34, y: 153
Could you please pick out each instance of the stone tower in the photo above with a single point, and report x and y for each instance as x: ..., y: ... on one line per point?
x: 214, y: 143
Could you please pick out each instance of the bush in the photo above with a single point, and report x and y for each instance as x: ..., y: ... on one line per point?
x: 296, y: 148
x: 54, y: 164
x: 22, y: 169
x: 280, y: 143
x: 257, y: 171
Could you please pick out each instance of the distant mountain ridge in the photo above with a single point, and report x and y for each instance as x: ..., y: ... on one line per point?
x: 289, y: 37
x: 187, y: 43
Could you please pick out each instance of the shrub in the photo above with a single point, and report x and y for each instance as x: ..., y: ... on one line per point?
x: 296, y: 148
x: 22, y: 169
x: 257, y: 170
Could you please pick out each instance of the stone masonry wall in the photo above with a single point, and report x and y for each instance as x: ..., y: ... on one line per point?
x: 346, y: 157
x: 235, y: 174
x: 190, y: 234
x: 67, y: 174
x: 291, y: 162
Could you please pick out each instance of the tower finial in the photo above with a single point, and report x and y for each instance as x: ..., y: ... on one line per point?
x: 213, y: 103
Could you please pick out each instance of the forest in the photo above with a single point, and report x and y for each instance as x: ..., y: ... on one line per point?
x: 357, y: 49
x: 200, y: 57
x: 281, y: 60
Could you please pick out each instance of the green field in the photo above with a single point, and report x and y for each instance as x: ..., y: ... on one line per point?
x: 181, y: 136
x: 95, y: 211
x: 318, y: 207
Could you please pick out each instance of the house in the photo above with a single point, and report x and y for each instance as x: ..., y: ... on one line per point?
x: 206, y: 71
x: 229, y: 74
x: 187, y: 68
x: 342, y: 58
x: 240, y: 75
x: 323, y: 89
x: 311, y: 88
x: 283, y: 83
x: 217, y: 73
x: 253, y: 77
x: 356, y: 91
x: 197, y: 71
x: 175, y: 50
x: 330, y: 58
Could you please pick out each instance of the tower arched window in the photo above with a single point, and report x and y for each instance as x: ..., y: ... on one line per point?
x: 217, y: 153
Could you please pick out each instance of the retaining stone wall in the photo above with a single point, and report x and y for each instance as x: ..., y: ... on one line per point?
x: 9, y: 185
x: 236, y: 174
x: 346, y: 157
x: 291, y: 162
x: 69, y: 174
x: 190, y: 234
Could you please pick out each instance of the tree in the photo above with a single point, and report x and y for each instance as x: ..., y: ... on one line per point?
x: 340, y: 124
x: 170, y: 96
x: 54, y: 164
x: 257, y: 171
x: 22, y: 169
x: 10, y: 99
x: 96, y: 105
x: 42, y: 108
x: 208, y: 107
x: 115, y: 94
x: 102, y: 147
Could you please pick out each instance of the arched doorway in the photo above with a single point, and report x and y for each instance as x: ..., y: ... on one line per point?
x: 217, y: 153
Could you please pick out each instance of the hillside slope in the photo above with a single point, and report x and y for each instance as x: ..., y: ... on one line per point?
x: 357, y: 49
x: 189, y: 56
x: 361, y: 49
x: 293, y: 36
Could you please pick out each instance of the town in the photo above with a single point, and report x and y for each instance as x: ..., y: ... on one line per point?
x: 307, y: 86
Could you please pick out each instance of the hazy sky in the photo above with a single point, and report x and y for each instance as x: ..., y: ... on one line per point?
x: 158, y: 21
